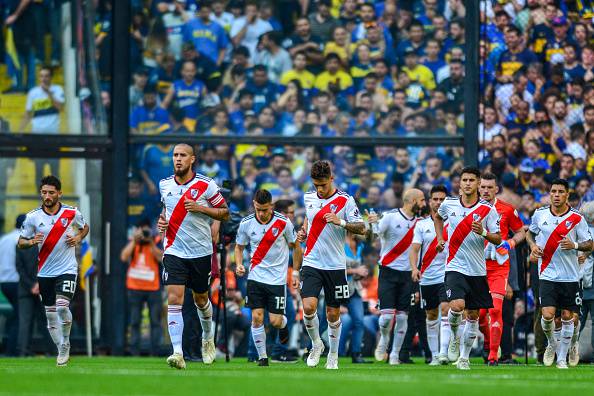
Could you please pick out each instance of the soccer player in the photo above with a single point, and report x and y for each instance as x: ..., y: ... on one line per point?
x: 190, y: 201
x: 557, y: 233
x: 56, y: 229
x: 497, y: 259
x: 395, y: 285
x: 470, y: 222
x: 330, y: 213
x: 270, y: 236
x: 431, y: 276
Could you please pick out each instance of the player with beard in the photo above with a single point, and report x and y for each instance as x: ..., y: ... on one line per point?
x: 470, y: 222
x: 395, y: 285
x: 190, y: 201
x: 56, y: 229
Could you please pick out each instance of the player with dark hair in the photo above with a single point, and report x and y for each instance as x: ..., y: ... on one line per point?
x: 470, y: 222
x: 190, y: 201
x: 330, y: 213
x: 428, y: 268
x: 270, y: 236
x: 57, y: 229
x: 497, y: 257
x: 556, y: 233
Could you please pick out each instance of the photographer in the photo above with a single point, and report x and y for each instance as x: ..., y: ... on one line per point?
x: 142, y: 282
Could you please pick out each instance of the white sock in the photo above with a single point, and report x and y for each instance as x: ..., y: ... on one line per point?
x: 444, y: 336
x: 433, y: 337
x: 63, y: 310
x: 385, y: 325
x: 312, y: 325
x: 567, y: 327
x: 576, y: 333
x: 548, y: 327
x: 175, y: 324
x: 53, y: 325
x: 334, y: 329
x: 455, y: 319
x: 284, y: 323
x: 259, y: 336
x: 468, y: 337
x: 399, y: 332
x: 205, y: 315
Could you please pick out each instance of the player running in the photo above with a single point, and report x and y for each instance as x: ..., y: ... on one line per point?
x: 557, y: 233
x: 330, y: 213
x: 395, y: 284
x: 270, y: 236
x: 190, y: 201
x: 57, y: 229
x: 497, y: 259
x: 431, y: 276
x: 470, y: 222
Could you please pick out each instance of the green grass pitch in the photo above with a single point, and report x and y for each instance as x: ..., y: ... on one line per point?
x: 152, y: 376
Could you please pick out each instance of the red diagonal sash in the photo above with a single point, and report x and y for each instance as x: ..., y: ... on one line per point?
x: 267, y: 241
x: 464, y: 228
x: 400, y: 247
x: 318, y: 223
x: 179, y: 212
x: 432, y: 251
x: 60, y: 226
x: 555, y: 238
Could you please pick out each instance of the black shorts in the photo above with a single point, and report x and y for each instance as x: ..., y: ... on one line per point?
x: 334, y: 282
x: 395, y: 289
x: 264, y: 296
x: 193, y: 273
x: 50, y: 287
x: 433, y: 295
x: 561, y: 295
x: 474, y: 290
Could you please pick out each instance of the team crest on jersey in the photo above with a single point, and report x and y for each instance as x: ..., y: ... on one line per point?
x: 333, y: 208
x: 275, y: 231
x: 476, y: 217
x: 194, y: 193
x: 449, y: 293
x: 568, y: 224
x: 64, y: 222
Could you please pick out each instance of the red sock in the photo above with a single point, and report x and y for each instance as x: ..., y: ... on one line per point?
x: 484, y: 327
x: 496, y: 327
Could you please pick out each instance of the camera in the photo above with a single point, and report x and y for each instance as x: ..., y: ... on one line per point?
x: 146, y: 234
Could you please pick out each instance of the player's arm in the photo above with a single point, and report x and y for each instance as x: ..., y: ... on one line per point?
x: 357, y: 228
x: 583, y: 239
x: 297, y: 261
x: 493, y: 237
x: 413, y: 259
x: 239, y: 268
x: 438, y: 224
x: 26, y: 243
x: 220, y: 213
x: 535, y: 250
x: 302, y: 233
x: 73, y: 240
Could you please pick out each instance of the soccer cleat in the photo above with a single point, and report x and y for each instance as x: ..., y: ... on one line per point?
x: 284, y: 359
x: 454, y: 349
x: 332, y: 361
x: 263, y: 362
x: 434, y: 362
x: 493, y: 363
x: 574, y: 354
x: 63, y: 355
x: 443, y: 359
x: 357, y: 358
x: 394, y: 360
x: 562, y: 364
x: 380, y: 352
x: 209, y: 352
x: 463, y: 364
x: 176, y: 361
x: 314, y: 355
x: 549, y: 355
x: 283, y: 335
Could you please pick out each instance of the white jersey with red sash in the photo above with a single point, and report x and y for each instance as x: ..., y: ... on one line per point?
x: 269, y: 247
x: 325, y: 242
x: 55, y: 256
x: 188, y: 234
x: 465, y: 248
x: 396, y: 235
x: 432, y: 263
x: 556, y: 264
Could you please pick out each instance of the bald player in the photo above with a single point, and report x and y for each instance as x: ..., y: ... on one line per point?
x: 396, y: 230
x: 190, y: 201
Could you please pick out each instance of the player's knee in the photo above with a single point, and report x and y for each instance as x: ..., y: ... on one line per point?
x: 175, y: 295
x: 432, y: 314
x: 257, y: 321
x: 494, y: 313
x: 201, y: 300
x: 472, y: 315
x: 566, y: 315
x: 309, y: 308
x: 333, y: 315
x: 457, y: 306
x: 276, y: 321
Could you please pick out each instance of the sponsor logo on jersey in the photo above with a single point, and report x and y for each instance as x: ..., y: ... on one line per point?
x: 41, y: 225
x: 194, y: 193
x: 253, y: 233
x: 545, y: 223
x: 169, y: 194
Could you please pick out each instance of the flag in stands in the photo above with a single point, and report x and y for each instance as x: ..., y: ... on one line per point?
x: 86, y: 264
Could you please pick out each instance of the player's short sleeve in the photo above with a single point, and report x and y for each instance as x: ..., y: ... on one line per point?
x: 289, y: 232
x: 28, y: 227
x: 443, y: 210
x: 418, y: 234
x: 492, y: 220
x: 242, y: 237
x: 582, y: 231
x: 515, y: 223
x: 351, y: 212
x: 79, y: 220
x: 213, y: 195
x: 383, y: 224
x: 534, y: 228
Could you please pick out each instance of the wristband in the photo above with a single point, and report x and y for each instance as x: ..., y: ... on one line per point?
x: 296, y: 273
x: 576, y: 246
x: 484, y: 233
x: 343, y: 223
